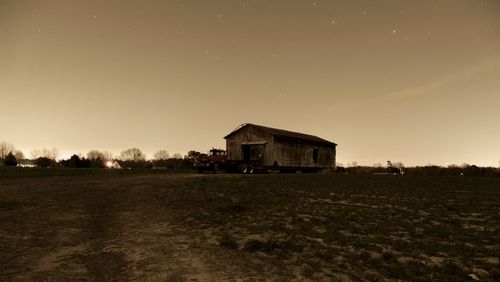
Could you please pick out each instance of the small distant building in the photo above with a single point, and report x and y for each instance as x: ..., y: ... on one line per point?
x: 26, y: 163
x: 279, y: 149
x: 113, y: 164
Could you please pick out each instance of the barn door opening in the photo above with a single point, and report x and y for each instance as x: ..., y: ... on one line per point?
x: 246, y: 152
x: 315, y: 155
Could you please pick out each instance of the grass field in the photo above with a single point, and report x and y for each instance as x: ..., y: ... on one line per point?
x: 152, y: 225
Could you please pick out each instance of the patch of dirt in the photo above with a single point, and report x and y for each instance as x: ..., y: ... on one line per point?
x: 54, y: 259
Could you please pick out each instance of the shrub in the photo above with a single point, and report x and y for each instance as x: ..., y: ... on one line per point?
x: 44, y: 162
x: 10, y: 160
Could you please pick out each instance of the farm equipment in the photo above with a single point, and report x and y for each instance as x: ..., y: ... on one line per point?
x: 394, y: 170
x: 214, y: 161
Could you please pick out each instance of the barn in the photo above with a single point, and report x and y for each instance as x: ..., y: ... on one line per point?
x: 270, y: 148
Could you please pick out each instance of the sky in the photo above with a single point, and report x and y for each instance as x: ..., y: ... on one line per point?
x: 409, y: 81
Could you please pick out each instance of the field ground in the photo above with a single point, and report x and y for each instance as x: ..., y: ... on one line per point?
x: 101, y: 225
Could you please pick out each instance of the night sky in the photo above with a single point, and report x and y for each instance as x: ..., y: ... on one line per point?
x: 410, y: 81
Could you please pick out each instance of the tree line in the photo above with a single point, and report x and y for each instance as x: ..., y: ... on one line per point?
x: 129, y: 158
x: 429, y: 170
x: 135, y: 158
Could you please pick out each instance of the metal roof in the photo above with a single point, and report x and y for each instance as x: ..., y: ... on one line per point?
x: 283, y: 133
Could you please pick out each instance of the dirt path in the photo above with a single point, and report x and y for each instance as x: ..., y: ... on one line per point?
x: 96, y: 229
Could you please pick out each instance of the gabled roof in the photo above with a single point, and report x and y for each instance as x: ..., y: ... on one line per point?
x: 282, y: 133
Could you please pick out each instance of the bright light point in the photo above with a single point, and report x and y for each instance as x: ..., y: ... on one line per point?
x: 333, y: 22
x: 109, y: 164
x: 393, y: 31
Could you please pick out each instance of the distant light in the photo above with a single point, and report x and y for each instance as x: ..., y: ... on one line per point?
x: 109, y: 164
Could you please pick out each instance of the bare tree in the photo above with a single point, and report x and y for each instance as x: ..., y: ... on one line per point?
x: 161, y: 155
x: 94, y: 155
x: 35, y: 154
x: 45, y: 153
x: 5, y: 149
x: 108, y: 156
x: 132, y: 154
x: 96, y: 159
x: 19, y: 155
x: 51, y: 154
x: 54, y: 153
x: 103, y: 155
x: 176, y: 156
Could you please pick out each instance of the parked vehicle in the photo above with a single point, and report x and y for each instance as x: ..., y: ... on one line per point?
x: 214, y: 161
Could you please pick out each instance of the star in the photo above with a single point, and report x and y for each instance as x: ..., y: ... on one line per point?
x: 220, y: 19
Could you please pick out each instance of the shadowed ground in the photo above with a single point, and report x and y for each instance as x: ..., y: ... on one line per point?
x: 156, y: 226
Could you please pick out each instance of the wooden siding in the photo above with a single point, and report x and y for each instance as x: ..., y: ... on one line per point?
x: 301, y: 154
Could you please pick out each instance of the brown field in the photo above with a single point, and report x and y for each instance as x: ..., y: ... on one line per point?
x: 100, y: 225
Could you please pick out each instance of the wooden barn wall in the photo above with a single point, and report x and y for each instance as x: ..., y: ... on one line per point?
x: 301, y: 154
x: 248, y: 134
x: 285, y: 153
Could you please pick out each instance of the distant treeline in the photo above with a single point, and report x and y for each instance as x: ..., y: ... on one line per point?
x: 134, y: 158
x: 171, y: 163
x: 130, y: 158
x: 431, y: 170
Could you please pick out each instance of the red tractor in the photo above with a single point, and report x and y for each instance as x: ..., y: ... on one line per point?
x: 214, y: 161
